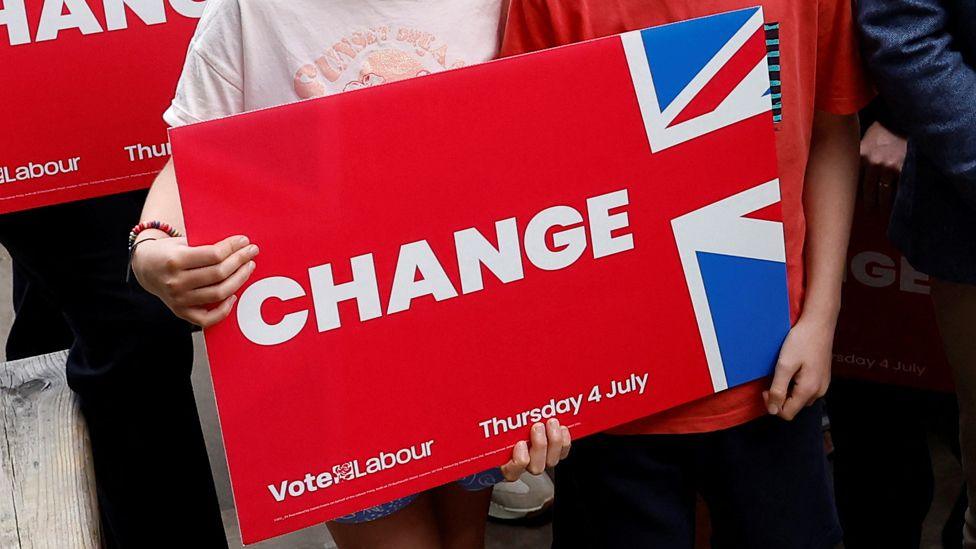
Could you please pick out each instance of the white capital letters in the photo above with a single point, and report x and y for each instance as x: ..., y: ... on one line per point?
x: 414, y: 257
x: 573, y: 241
x: 873, y: 269
x: 189, y: 8
x: 326, y: 294
x: 14, y: 16
x: 152, y: 12
x: 473, y: 250
x: 912, y: 280
x: 249, y: 317
x: 602, y: 224
x: 53, y: 19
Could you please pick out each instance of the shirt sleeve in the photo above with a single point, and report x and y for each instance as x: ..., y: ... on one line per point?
x: 211, y: 85
x: 841, y: 86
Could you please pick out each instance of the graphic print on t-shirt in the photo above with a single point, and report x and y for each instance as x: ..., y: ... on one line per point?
x: 374, y: 56
x: 775, y: 71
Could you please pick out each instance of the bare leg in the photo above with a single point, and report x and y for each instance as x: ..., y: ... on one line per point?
x: 413, y: 527
x: 955, y: 308
x: 462, y: 516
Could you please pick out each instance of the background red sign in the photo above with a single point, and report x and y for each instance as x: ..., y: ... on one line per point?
x: 887, y: 330
x: 83, y: 96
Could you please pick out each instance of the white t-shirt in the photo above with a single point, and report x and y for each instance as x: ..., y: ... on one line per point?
x: 251, y: 54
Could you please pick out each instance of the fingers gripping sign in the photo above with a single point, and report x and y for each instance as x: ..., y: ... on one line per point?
x: 803, y: 371
x: 548, y: 444
x: 197, y: 283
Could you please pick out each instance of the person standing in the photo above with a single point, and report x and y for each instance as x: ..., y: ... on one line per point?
x: 922, y: 55
x: 755, y: 452
x: 129, y: 364
x: 883, y: 502
x: 249, y: 55
x: 38, y: 327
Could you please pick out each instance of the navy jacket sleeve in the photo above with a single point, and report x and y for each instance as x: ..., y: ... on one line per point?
x: 910, y: 50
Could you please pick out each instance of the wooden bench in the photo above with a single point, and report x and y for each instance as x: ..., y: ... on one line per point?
x: 47, y: 482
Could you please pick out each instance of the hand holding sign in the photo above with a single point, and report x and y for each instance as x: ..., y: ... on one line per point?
x: 550, y: 444
x: 197, y: 283
x: 802, y: 373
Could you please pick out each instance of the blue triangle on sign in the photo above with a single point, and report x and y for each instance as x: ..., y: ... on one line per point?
x: 676, y: 53
x: 750, y: 307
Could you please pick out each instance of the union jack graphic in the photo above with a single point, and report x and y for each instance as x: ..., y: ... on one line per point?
x: 692, y: 78
x: 700, y: 75
x: 735, y: 267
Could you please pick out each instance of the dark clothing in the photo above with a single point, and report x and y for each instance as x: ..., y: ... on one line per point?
x: 883, y: 477
x: 38, y: 327
x: 922, y: 54
x: 130, y: 366
x: 765, y: 483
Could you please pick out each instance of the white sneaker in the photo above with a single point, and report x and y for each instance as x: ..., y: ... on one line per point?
x: 527, y: 496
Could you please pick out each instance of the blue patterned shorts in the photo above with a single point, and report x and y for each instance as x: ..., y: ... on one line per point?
x: 473, y: 483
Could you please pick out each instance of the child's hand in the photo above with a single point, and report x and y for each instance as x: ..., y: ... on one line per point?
x: 550, y: 443
x: 190, y: 280
x: 803, y: 370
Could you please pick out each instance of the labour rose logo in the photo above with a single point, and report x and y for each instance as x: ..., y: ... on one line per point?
x: 344, y: 471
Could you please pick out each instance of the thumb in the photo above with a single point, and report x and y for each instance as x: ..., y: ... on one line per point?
x: 779, y: 389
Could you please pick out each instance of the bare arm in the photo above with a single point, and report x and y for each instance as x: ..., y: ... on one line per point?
x: 828, y: 200
x: 197, y: 283
x: 163, y: 202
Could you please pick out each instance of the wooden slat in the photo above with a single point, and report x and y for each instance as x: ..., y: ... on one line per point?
x: 47, y: 482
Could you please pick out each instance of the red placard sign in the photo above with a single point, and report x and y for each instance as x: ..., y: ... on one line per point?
x: 447, y: 259
x: 84, y: 86
x: 887, y: 330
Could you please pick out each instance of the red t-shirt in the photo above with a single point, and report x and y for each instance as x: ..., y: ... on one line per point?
x: 820, y: 70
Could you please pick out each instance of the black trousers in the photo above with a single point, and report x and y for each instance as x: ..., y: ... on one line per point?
x: 129, y: 363
x: 883, y: 477
x: 39, y: 328
x: 765, y: 484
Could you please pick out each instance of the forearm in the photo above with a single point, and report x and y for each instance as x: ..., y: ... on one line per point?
x: 197, y: 283
x: 828, y: 199
x: 802, y: 372
x: 163, y: 202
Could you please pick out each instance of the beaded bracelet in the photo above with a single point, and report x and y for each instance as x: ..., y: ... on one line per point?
x: 159, y: 225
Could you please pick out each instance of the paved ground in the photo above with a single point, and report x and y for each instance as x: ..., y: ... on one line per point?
x: 499, y: 537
